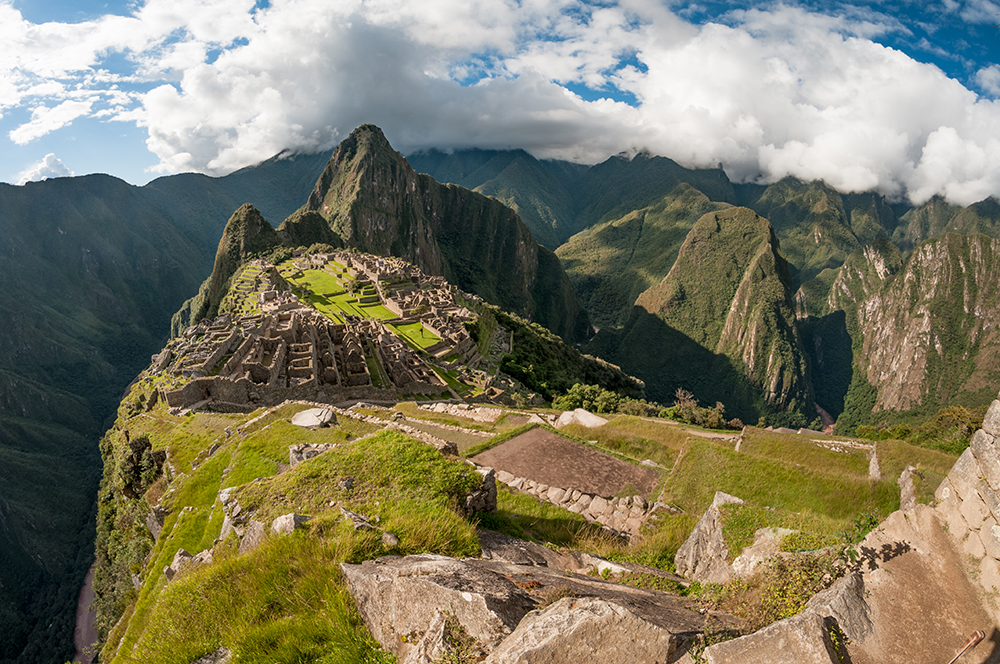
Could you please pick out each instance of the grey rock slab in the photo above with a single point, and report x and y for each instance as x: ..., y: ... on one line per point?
x: 254, y: 537
x: 989, y: 535
x: 586, y: 630
x: 398, y: 597
x: 555, y: 495
x: 766, y: 545
x: 964, y: 475
x: 313, y: 418
x: 597, y: 506
x: 845, y: 602
x: 431, y: 647
x: 703, y: 555
x: 991, y: 423
x: 801, y: 639
x: 505, y: 548
x: 975, y: 511
x: 907, y: 489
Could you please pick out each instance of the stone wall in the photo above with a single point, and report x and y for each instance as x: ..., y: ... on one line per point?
x: 969, y: 504
x: 624, y: 516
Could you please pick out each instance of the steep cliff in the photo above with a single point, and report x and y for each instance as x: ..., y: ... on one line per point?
x: 923, y: 331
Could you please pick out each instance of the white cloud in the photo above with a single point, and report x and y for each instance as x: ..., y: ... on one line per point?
x: 769, y: 93
x: 49, y: 167
x: 45, y: 120
x: 988, y: 79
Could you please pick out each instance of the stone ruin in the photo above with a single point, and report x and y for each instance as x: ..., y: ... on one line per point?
x: 264, y: 359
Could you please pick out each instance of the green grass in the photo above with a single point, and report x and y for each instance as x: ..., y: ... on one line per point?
x: 452, y: 382
x: 637, y: 438
x: 706, y: 467
x: 412, y: 332
x: 285, y: 601
x: 380, y: 379
x: 741, y: 522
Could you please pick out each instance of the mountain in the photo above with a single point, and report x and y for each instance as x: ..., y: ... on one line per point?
x: 374, y: 201
x: 612, y: 262
x: 720, y: 324
x: 539, y: 191
x: 937, y: 216
x: 557, y: 199
x: 90, y: 270
x: 818, y: 226
x: 923, y: 330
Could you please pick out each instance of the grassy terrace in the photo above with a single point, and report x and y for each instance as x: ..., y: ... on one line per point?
x: 416, y: 334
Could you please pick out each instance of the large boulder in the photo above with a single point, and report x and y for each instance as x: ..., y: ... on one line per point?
x: 314, y: 418
x: 398, y: 598
x: 703, y: 556
x: 801, y: 639
x: 586, y: 630
x: 582, y: 417
x: 844, y: 602
x: 287, y: 523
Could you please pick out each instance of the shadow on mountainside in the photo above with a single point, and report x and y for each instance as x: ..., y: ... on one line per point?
x: 828, y: 346
x: 667, y: 359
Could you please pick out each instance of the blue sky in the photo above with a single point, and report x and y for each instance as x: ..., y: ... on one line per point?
x: 897, y: 96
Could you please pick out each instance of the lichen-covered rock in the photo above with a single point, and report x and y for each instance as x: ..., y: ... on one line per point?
x: 766, y: 545
x: 586, y: 630
x: 801, y: 639
x: 907, y: 489
x: 432, y: 646
x: 703, y: 556
x: 220, y: 656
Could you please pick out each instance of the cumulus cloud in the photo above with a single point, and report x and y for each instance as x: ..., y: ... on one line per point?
x: 49, y: 167
x: 768, y: 93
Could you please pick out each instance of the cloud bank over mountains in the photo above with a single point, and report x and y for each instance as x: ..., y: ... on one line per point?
x: 783, y: 90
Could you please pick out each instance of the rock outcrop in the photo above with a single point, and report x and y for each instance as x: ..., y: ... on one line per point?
x: 801, y: 639
x: 491, y: 599
x: 586, y: 630
x: 398, y: 598
x: 703, y: 557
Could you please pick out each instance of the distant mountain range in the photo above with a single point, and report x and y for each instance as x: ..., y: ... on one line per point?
x: 766, y: 298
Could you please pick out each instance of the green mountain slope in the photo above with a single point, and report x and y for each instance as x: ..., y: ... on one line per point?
x: 611, y: 263
x: 539, y: 191
x: 937, y: 216
x: 720, y: 324
x: 557, y: 199
x: 819, y: 227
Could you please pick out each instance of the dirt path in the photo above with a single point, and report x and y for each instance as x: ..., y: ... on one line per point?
x: 85, y: 634
x: 544, y: 457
